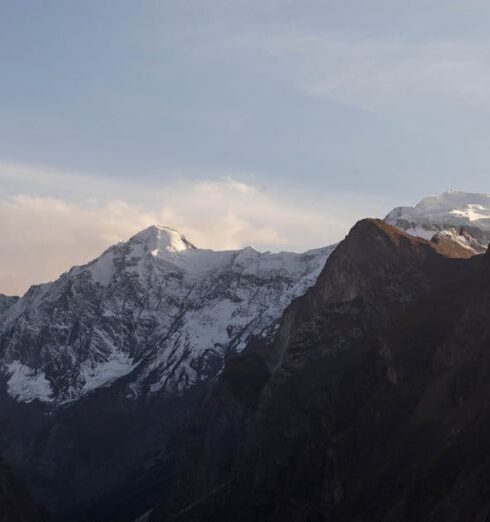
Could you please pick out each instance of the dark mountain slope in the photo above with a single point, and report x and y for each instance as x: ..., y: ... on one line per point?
x: 15, y: 503
x: 370, y: 404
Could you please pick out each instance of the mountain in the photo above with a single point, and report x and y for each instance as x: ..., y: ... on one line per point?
x: 164, y: 314
x: 370, y: 403
x: 100, y: 369
x: 460, y: 216
x: 99, y: 365
x: 155, y: 309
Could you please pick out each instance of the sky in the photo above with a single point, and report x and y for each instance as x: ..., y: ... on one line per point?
x: 275, y: 123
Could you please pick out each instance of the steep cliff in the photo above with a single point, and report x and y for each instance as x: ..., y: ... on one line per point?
x: 358, y: 409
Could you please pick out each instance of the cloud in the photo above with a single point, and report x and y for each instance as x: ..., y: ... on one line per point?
x: 42, y: 236
x: 230, y: 214
x: 387, y: 76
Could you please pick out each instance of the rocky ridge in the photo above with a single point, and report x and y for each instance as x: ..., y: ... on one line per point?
x: 357, y: 410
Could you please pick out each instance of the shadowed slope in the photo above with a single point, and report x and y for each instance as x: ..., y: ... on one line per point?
x: 15, y: 503
x: 288, y: 432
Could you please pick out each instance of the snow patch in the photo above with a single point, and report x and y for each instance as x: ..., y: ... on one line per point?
x: 102, y: 269
x: 157, y: 239
x: 104, y: 374
x: 26, y: 384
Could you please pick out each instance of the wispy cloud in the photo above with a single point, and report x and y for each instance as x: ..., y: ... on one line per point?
x: 378, y: 74
x: 384, y: 76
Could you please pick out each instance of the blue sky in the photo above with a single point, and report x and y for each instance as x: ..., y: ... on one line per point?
x: 337, y: 108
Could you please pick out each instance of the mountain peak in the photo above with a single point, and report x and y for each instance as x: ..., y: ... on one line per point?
x: 158, y: 238
x: 452, y: 208
x: 462, y: 217
x: 454, y: 200
x: 375, y: 237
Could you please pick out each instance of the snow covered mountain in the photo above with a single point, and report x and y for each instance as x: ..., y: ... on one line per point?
x: 155, y: 310
x: 460, y: 216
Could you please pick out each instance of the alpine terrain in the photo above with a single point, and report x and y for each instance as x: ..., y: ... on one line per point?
x: 155, y: 309
x: 189, y: 384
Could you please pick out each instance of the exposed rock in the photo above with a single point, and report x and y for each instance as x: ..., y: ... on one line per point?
x: 366, y: 405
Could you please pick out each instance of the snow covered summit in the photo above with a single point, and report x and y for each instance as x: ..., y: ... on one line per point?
x: 159, y: 239
x: 463, y: 216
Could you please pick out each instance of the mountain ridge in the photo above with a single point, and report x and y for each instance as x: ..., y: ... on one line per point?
x: 159, y: 278
x: 318, y: 410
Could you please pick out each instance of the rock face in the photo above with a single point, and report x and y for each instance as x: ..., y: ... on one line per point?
x: 462, y: 216
x: 371, y: 402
